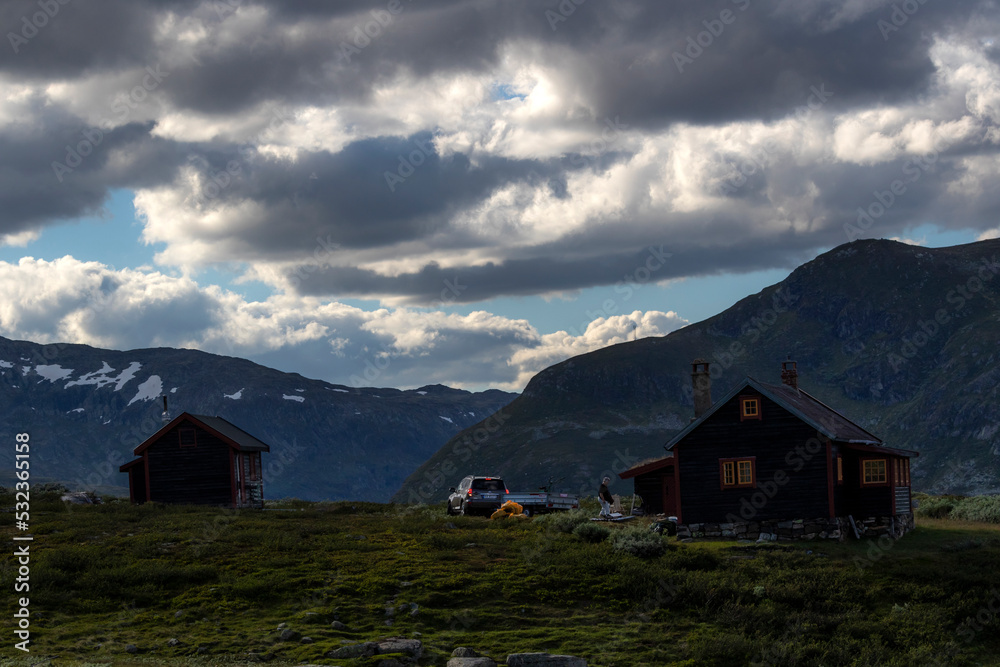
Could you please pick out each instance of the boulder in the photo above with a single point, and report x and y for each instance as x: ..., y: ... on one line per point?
x: 471, y: 662
x: 544, y: 660
x: 463, y: 652
x: 411, y: 647
x: 363, y: 650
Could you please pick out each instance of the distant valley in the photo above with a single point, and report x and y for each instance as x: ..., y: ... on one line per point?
x: 86, y: 409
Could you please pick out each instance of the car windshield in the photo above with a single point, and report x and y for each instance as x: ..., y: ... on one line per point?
x: 488, y: 484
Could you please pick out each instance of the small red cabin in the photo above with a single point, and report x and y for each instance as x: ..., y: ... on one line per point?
x: 198, y: 460
x: 775, y: 460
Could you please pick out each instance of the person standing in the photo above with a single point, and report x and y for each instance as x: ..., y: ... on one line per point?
x: 604, y: 495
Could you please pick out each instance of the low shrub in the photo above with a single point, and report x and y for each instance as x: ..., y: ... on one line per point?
x: 638, y: 542
x: 935, y: 507
x: 564, y: 522
x: 978, y: 508
x: 592, y: 532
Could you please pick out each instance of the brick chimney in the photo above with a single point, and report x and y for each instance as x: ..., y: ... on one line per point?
x: 701, y: 382
x: 789, y: 374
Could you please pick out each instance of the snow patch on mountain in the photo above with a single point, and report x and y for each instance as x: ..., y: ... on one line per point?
x: 300, y: 399
x: 53, y: 372
x: 149, y: 390
x: 6, y: 364
x: 446, y: 419
x: 103, y: 376
x: 237, y: 396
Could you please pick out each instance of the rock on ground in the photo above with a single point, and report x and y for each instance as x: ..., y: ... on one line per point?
x: 471, y: 662
x: 544, y: 660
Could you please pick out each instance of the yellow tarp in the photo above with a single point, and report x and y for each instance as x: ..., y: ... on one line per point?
x: 508, y: 510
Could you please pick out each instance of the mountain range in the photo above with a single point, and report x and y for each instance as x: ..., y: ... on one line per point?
x: 86, y: 409
x: 901, y: 339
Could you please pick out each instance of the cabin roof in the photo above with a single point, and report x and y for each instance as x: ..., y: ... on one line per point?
x: 803, y: 405
x: 649, y: 465
x: 236, y: 437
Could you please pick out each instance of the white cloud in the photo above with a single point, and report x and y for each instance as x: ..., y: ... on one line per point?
x: 67, y: 300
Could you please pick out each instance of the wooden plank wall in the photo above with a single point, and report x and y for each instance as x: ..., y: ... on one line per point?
x: 771, y: 439
x: 197, y: 475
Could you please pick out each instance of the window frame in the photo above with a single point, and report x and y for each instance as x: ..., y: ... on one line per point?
x: 744, y: 416
x: 735, y: 462
x: 840, y: 469
x: 886, y: 471
x: 194, y: 437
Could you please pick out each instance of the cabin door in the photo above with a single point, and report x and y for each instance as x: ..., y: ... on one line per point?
x: 667, y: 493
x: 249, y: 485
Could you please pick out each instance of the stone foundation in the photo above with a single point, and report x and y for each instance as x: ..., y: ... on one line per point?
x: 838, y: 528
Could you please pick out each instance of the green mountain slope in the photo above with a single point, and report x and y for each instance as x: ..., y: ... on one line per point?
x: 901, y: 339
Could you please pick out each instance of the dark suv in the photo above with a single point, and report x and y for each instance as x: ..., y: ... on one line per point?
x: 476, y: 495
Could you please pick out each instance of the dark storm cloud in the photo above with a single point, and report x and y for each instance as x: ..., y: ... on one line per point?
x: 434, y: 285
x: 33, y: 191
x: 53, y: 39
x: 655, y: 65
x: 373, y: 193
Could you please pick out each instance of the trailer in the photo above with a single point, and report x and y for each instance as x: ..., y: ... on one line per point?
x: 543, y: 502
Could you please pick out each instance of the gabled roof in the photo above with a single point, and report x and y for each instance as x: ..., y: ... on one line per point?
x: 806, y: 407
x: 236, y: 437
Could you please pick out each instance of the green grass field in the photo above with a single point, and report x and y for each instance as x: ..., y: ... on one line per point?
x: 220, y: 583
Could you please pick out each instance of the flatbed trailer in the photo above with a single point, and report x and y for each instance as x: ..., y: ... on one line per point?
x: 542, y: 502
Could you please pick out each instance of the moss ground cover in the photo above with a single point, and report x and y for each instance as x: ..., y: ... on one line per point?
x: 220, y: 583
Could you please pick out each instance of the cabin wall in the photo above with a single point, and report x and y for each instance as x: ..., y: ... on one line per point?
x: 656, y: 488
x: 791, y: 467
x: 137, y: 483
x: 199, y: 475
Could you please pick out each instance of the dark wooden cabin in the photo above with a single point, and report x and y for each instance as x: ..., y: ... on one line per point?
x: 199, y: 460
x: 768, y: 452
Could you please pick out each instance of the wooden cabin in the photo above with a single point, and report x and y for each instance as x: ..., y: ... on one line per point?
x: 769, y: 456
x: 198, y: 460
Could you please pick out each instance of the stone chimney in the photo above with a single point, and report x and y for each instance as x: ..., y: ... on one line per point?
x: 165, y: 417
x: 789, y: 374
x: 701, y: 382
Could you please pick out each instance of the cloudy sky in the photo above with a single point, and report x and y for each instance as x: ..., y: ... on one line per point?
x: 405, y: 192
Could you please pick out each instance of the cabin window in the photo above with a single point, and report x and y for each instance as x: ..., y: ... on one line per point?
x: 738, y: 473
x: 873, y: 471
x: 188, y: 436
x: 840, y: 470
x: 749, y: 407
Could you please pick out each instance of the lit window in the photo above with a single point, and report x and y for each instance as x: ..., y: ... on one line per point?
x: 874, y: 471
x: 840, y: 469
x: 749, y: 407
x: 737, y: 473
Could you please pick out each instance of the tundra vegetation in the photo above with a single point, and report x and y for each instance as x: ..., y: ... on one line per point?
x: 188, y: 585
